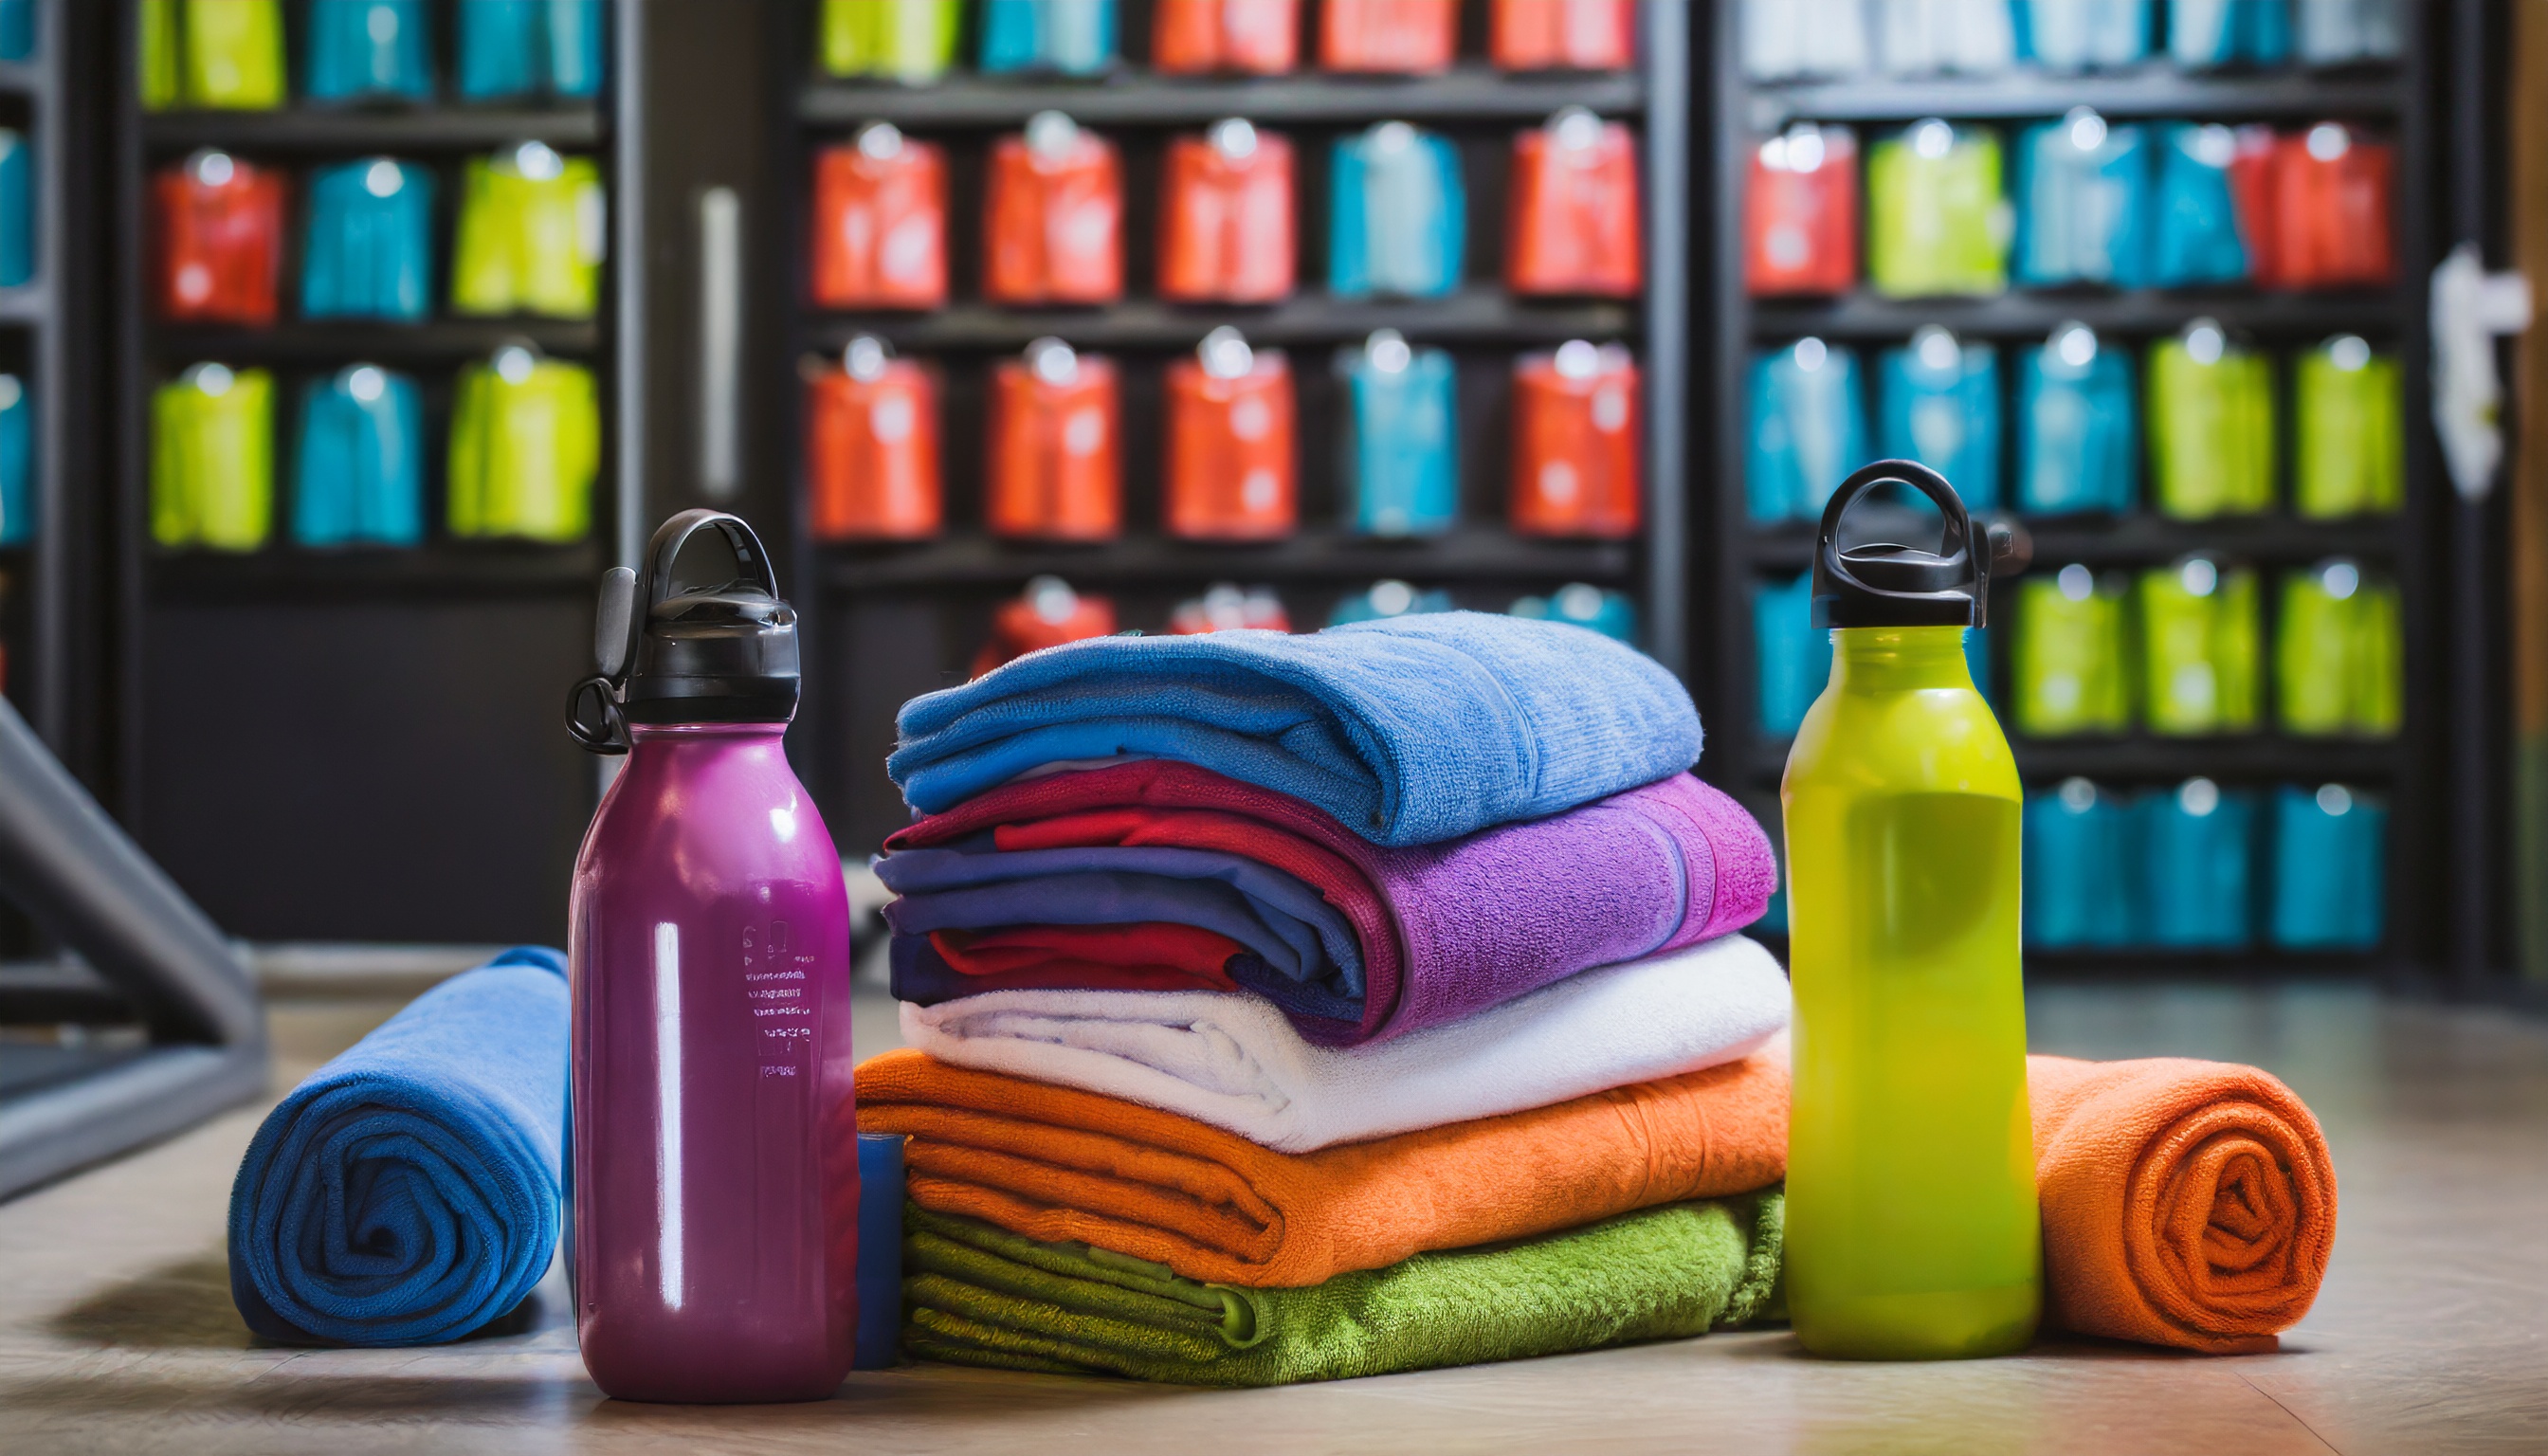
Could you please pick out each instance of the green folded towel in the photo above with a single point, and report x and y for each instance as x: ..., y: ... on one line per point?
x: 976, y: 1295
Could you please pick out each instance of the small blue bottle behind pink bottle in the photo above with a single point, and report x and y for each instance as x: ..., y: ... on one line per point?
x: 713, y: 1175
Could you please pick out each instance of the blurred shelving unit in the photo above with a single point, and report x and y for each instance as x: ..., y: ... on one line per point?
x: 2395, y: 99
x: 895, y: 621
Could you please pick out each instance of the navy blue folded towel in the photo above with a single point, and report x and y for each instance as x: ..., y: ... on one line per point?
x: 408, y: 1192
x: 1408, y: 730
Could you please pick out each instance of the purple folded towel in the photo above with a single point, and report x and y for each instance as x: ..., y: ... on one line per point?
x: 1449, y: 929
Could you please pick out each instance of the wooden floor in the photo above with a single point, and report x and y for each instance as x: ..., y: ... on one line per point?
x: 117, y: 1332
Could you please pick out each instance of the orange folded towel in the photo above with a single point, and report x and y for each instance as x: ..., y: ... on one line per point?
x: 1057, y: 1165
x: 2185, y: 1203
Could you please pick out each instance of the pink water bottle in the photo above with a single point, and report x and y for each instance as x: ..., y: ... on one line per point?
x: 713, y: 1175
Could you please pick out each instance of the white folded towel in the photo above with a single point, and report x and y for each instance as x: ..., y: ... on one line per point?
x: 1233, y: 1060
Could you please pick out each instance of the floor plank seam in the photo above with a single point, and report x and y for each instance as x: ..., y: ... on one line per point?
x: 2294, y: 1415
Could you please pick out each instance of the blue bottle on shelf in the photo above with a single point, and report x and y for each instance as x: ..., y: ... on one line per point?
x: 2208, y: 34
x: 16, y: 462
x: 370, y: 250
x: 1398, y: 217
x: 522, y: 48
x: 2198, y: 866
x: 1792, y: 660
x: 17, y: 208
x: 360, y: 476
x: 2194, y: 221
x: 1808, y: 431
x: 2082, y: 868
x: 357, y: 48
x: 2079, y: 441
x: 2081, y: 34
x: 2329, y: 885
x: 1073, y: 37
x: 2082, y: 203
x: 1937, y: 402
x: 1583, y: 604
x: 1401, y: 467
x: 17, y: 29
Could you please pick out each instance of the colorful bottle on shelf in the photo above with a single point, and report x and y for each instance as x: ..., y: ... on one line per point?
x: 1572, y: 222
x: 1074, y: 37
x: 217, y: 55
x: 1801, y: 213
x: 1396, y: 213
x: 1912, y: 1228
x: 1936, y: 221
x: 1258, y: 37
x: 1808, y: 418
x: 1054, y: 463
x: 2348, y: 427
x: 2331, y: 888
x: 212, y: 458
x: 16, y: 462
x: 2210, y: 410
x: 526, y: 448
x: 908, y: 41
x: 527, y: 47
x: 1562, y: 35
x: 1231, y: 467
x: 2079, y: 441
x: 220, y: 240
x: 871, y: 448
x: 370, y: 249
x: 880, y: 221
x: 358, y: 476
x: 1577, y: 468
x: 1937, y: 402
x: 531, y: 237
x: 1047, y: 614
x: 1053, y: 223
x: 1401, y: 455
x: 357, y: 49
x: 1226, y: 216
x: 713, y: 1187
x: 1391, y: 37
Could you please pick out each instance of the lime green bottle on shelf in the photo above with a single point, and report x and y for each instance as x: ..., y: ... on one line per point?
x: 2211, y: 425
x: 212, y: 458
x: 1912, y: 1226
x: 226, y: 54
x: 908, y: 41
x: 2349, y: 452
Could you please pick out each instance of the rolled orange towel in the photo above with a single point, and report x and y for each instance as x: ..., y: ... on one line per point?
x: 2185, y: 1203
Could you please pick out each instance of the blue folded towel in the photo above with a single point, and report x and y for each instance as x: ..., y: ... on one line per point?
x: 408, y: 1192
x: 1282, y: 921
x: 1409, y: 730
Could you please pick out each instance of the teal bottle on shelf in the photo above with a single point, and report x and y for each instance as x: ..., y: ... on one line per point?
x: 1584, y: 604
x: 2194, y: 220
x: 2081, y: 34
x: 370, y: 250
x: 2078, y: 436
x: 17, y: 29
x: 1937, y: 402
x: 359, y: 471
x: 2208, y: 34
x: 1402, y: 466
x: 1075, y: 37
x: 16, y: 462
x: 524, y: 47
x: 353, y: 49
x: 2198, y: 866
x: 16, y: 209
x: 2330, y: 884
x: 1792, y: 660
x: 2083, y: 202
x: 1808, y: 417
x: 1398, y: 213
x: 2082, y: 873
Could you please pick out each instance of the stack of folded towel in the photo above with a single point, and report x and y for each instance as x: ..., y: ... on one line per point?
x: 1294, y: 1007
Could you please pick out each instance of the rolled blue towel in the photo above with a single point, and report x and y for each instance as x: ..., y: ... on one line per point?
x: 1408, y: 730
x: 408, y: 1192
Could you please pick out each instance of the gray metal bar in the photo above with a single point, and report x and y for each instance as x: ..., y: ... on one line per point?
x: 1666, y: 332
x: 53, y: 1131
x: 70, y: 869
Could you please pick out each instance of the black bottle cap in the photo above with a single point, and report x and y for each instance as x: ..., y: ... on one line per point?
x: 722, y: 652
x: 1884, y: 584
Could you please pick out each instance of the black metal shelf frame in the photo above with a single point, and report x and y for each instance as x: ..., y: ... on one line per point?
x: 947, y: 587
x: 2399, y: 99
x: 42, y: 309
x: 318, y: 130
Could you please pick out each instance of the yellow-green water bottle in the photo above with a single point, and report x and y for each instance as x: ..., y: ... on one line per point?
x: 1912, y: 1230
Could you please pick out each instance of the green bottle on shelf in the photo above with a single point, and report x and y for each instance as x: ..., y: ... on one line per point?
x: 1912, y: 1228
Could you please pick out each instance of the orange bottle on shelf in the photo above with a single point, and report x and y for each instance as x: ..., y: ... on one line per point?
x: 2332, y: 200
x: 1396, y: 37
x: 880, y: 222
x: 1047, y: 614
x: 1226, y: 216
x: 871, y: 448
x: 1572, y: 225
x: 1577, y: 461
x: 1259, y: 38
x: 1055, y: 471
x: 220, y: 239
x: 1055, y: 219
x: 1562, y: 34
x: 1231, y: 474
x: 1801, y: 213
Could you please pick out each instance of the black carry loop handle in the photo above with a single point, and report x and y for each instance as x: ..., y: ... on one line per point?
x: 721, y: 653
x: 1884, y: 584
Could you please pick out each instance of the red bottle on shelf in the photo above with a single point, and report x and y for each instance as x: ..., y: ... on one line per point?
x: 1054, y: 217
x: 1576, y: 453
x: 1226, y: 216
x: 1258, y: 37
x: 871, y: 448
x: 220, y: 240
x: 2332, y: 191
x: 1562, y: 34
x: 880, y: 222
x: 1054, y: 463
x: 1394, y: 36
x: 1229, y: 458
x: 1573, y: 223
x: 1801, y: 213
x: 1047, y: 614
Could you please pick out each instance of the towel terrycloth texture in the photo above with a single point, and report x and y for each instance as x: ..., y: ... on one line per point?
x: 407, y: 1192
x: 922, y: 973
x: 1196, y: 956
x: 1446, y: 930
x: 1235, y: 1062
x: 1059, y: 1164
x: 2185, y: 1203
x: 1298, y: 947
x: 981, y: 1296
x: 1409, y: 730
